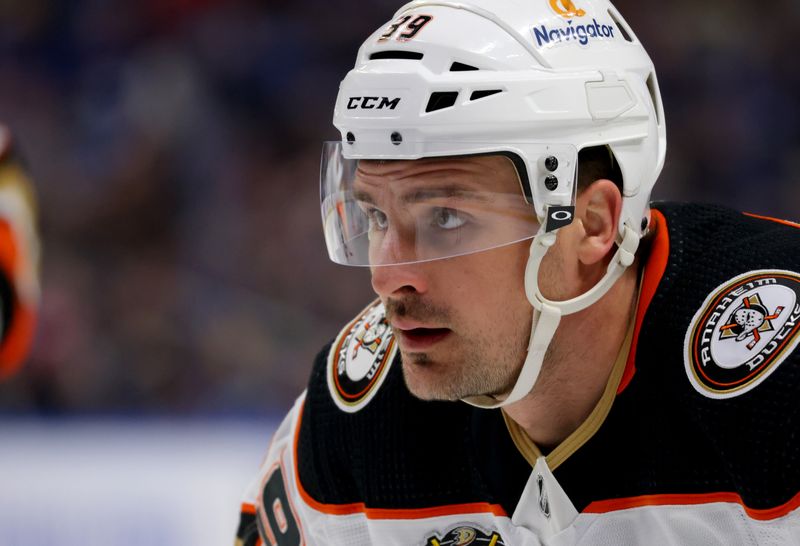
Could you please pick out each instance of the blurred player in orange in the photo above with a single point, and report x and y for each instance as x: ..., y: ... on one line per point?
x: 19, y: 259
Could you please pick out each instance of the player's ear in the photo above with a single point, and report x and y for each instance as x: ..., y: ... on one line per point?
x: 599, y: 208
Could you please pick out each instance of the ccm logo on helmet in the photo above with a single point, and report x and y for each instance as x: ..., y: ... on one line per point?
x: 372, y: 103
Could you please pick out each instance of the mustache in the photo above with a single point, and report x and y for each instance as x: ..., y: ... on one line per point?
x: 415, y: 308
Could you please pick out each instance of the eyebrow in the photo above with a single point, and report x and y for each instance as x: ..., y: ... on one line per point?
x: 424, y: 194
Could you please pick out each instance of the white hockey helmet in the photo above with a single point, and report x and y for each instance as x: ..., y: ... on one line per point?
x: 535, y: 80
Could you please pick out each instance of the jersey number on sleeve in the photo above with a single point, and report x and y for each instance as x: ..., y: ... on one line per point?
x: 283, y: 529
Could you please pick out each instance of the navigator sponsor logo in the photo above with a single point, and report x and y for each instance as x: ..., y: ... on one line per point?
x: 578, y: 32
x: 566, y: 8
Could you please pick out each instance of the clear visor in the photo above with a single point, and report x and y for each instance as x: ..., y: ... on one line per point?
x: 377, y: 212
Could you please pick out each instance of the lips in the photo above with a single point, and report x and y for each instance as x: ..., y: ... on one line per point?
x: 421, y: 339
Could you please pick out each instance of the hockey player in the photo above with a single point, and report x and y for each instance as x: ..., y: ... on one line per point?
x: 19, y: 259
x: 626, y: 375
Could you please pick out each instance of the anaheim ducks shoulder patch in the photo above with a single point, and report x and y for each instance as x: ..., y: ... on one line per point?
x: 743, y: 331
x: 360, y: 359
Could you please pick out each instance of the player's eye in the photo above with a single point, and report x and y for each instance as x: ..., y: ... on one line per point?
x: 445, y: 218
x: 377, y: 219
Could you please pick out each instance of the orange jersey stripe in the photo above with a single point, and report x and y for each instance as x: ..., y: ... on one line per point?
x: 771, y: 219
x: 612, y: 505
x: 653, y: 272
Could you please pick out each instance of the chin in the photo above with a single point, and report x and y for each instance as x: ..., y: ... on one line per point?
x: 423, y: 381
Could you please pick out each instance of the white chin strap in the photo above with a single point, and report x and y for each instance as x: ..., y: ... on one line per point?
x: 547, y: 314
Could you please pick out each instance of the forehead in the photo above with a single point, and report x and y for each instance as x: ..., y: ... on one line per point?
x: 491, y: 173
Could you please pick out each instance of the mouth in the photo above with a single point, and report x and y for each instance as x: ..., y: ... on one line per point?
x: 421, y: 339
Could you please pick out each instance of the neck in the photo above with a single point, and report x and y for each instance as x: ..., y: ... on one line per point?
x: 577, y: 366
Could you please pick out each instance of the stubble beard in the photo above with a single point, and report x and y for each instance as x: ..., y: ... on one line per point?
x: 469, y: 364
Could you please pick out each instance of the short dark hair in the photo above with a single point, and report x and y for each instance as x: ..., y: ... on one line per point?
x: 597, y: 162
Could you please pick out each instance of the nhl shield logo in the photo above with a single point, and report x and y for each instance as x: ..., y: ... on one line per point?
x: 744, y: 330
x: 360, y: 358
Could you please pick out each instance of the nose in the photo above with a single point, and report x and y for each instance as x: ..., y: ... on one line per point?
x: 394, y: 274
x: 394, y: 280
x: 392, y: 255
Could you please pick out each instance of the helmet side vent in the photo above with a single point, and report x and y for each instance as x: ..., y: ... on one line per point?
x: 623, y: 27
x: 652, y: 86
x: 410, y: 55
x: 440, y: 100
x: 483, y: 94
x: 461, y: 67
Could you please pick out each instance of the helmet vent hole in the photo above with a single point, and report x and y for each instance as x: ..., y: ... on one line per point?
x: 461, y: 67
x: 411, y: 55
x: 483, y: 94
x: 441, y: 100
x: 654, y: 96
x: 621, y: 25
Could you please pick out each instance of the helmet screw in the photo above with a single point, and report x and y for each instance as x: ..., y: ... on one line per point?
x: 644, y: 223
x: 351, y: 138
x: 397, y: 138
x: 551, y: 182
x: 551, y: 163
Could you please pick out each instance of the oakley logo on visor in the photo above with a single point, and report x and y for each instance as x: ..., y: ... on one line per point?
x: 558, y: 217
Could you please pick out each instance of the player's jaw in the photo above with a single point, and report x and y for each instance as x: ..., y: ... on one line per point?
x: 452, y: 372
x: 428, y: 378
x: 449, y: 355
x: 449, y: 365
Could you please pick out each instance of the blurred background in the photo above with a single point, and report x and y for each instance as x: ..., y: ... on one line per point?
x: 186, y: 288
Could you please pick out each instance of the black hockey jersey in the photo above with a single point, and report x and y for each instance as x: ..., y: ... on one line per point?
x: 695, y: 441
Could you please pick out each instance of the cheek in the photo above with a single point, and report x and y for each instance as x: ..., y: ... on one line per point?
x: 490, y: 285
x: 553, y: 277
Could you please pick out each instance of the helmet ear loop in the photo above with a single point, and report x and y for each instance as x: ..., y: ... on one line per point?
x: 627, y: 244
x: 547, y: 314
